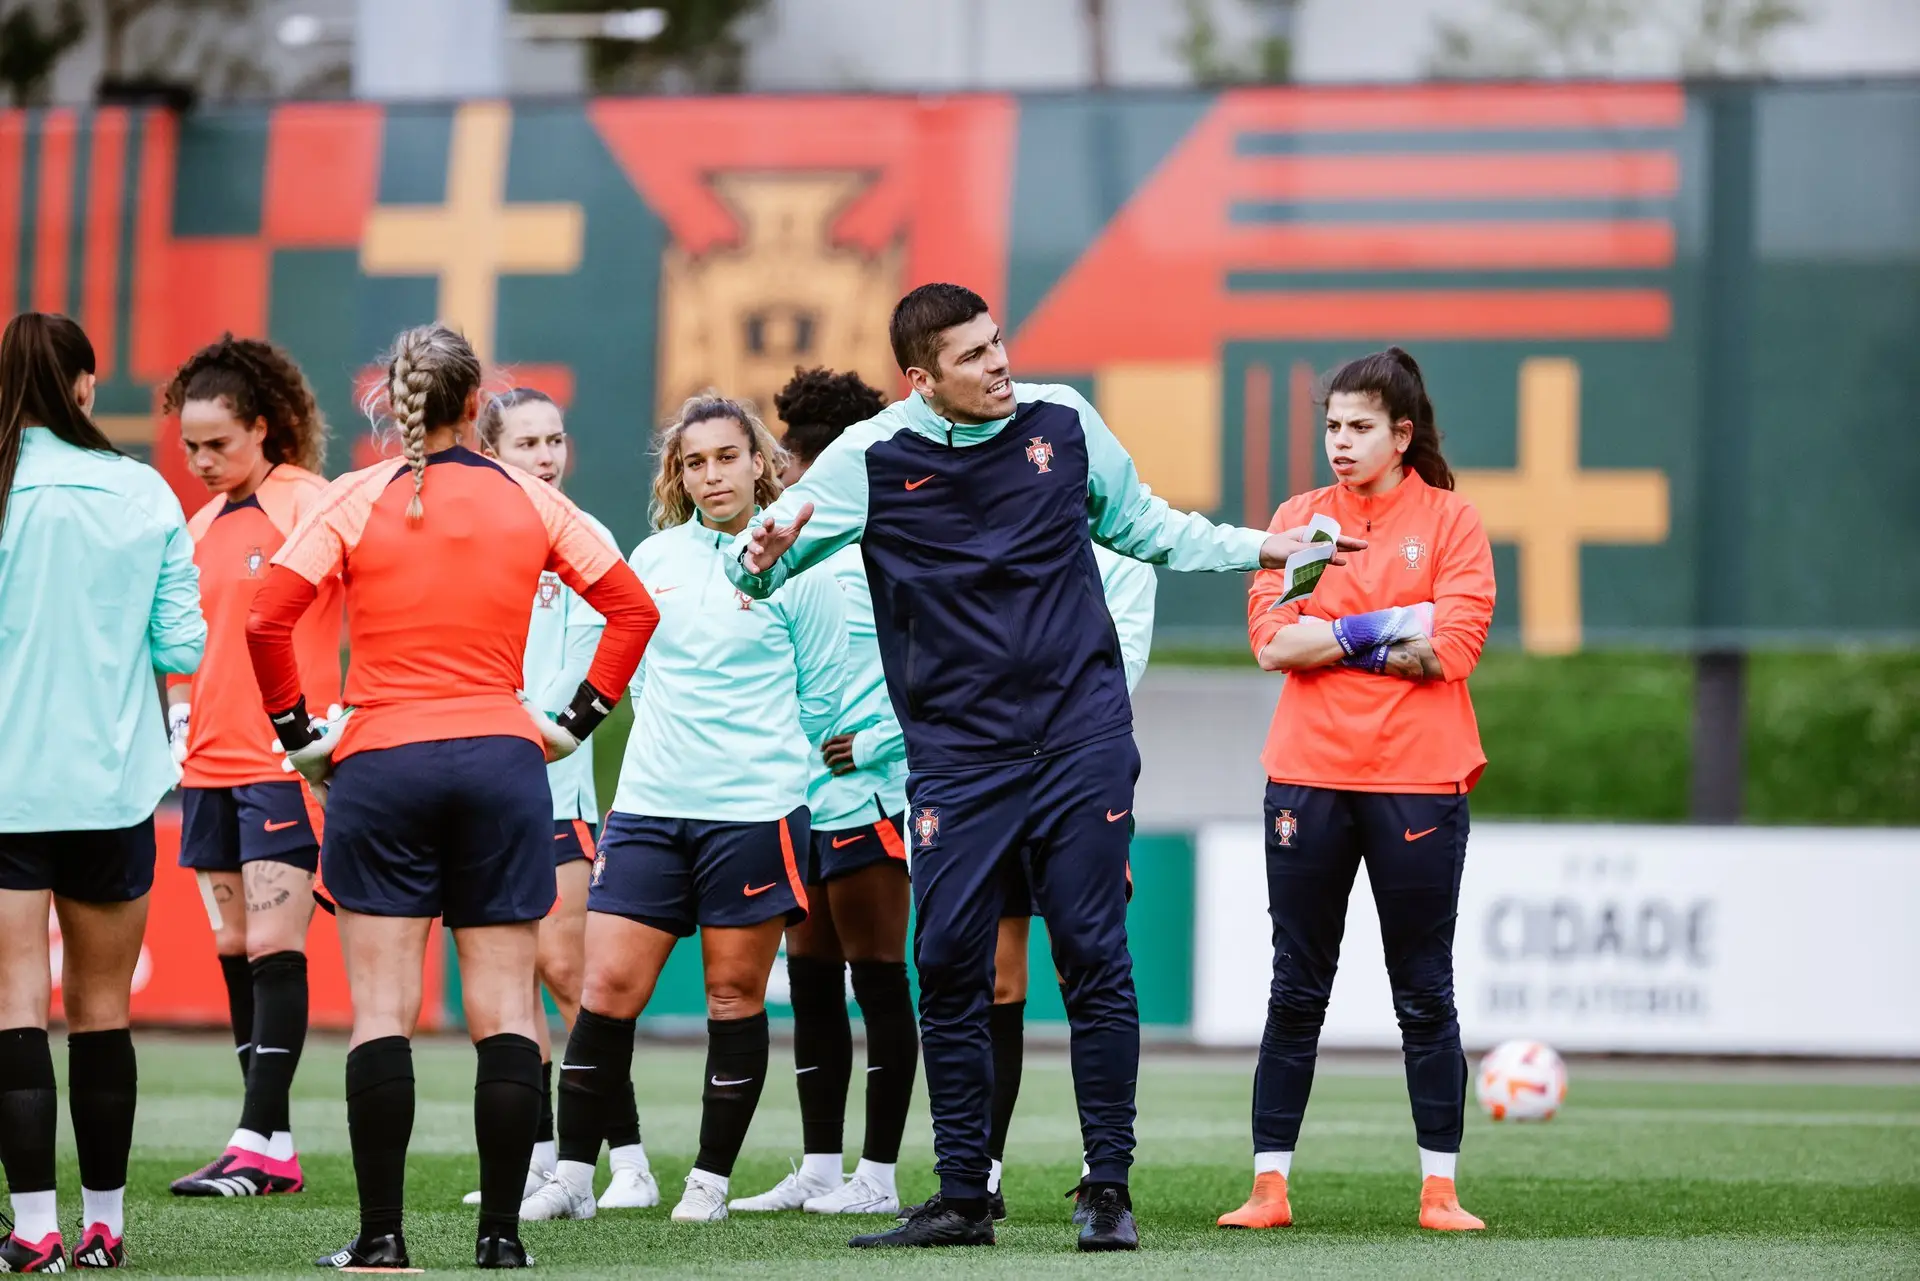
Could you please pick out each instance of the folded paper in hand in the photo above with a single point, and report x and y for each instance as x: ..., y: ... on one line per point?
x: 1305, y: 566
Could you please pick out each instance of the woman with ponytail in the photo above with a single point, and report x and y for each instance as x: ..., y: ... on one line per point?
x: 97, y: 592
x: 256, y: 439
x: 435, y: 778
x: 1372, y: 751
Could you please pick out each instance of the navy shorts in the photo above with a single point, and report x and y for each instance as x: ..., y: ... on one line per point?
x: 677, y: 874
x: 572, y: 840
x: 223, y: 827
x: 461, y: 829
x: 847, y: 850
x: 110, y: 865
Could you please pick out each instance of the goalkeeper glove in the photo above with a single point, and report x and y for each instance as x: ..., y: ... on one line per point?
x: 309, y: 742
x: 178, y: 717
x: 1358, y: 633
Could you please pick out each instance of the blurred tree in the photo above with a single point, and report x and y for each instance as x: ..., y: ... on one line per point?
x: 1268, y: 61
x: 700, y: 50
x: 1612, y: 37
x: 33, y: 38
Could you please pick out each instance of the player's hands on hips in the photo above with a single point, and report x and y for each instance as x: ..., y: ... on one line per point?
x: 555, y: 740
x: 838, y: 752
x: 769, y: 542
x: 179, y: 717
x: 1274, y: 552
x: 314, y: 762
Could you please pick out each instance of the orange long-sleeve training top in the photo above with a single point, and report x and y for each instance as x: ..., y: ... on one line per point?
x: 1340, y: 727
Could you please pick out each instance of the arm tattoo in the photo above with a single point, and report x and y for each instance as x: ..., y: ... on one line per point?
x: 1413, y: 660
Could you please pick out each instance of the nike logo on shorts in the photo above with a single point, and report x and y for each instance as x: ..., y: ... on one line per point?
x: 272, y: 826
x: 1414, y: 836
x: 839, y: 842
x: 576, y: 1067
x: 915, y: 484
x: 1115, y: 818
x: 719, y: 1084
x: 271, y: 1049
x: 751, y: 890
x: 803, y: 1071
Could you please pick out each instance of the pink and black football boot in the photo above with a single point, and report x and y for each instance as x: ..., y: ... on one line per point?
x: 238, y: 1172
x: 99, y: 1248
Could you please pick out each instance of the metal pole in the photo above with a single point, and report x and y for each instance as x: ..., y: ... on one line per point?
x: 1095, y: 12
x: 1720, y: 665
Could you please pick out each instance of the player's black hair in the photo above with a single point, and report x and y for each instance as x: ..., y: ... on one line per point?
x: 1394, y: 379
x: 41, y: 357
x: 818, y: 404
x: 922, y: 316
x: 257, y: 380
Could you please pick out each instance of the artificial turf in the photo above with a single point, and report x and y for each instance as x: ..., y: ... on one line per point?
x: 1687, y: 1170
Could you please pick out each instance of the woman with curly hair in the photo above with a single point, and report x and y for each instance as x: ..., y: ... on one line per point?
x: 255, y: 438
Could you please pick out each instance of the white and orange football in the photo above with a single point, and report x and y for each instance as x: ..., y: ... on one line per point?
x: 1521, y: 1081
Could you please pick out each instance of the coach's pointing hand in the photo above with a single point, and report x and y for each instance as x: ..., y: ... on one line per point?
x: 1274, y: 552
x: 770, y: 541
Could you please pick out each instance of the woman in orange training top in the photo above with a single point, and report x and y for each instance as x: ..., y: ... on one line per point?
x: 435, y: 782
x: 257, y: 440
x: 1371, y: 755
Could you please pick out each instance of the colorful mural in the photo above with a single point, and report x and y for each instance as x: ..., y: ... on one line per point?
x: 1192, y: 261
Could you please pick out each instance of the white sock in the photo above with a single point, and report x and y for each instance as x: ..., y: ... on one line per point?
x: 249, y: 1141
x: 280, y: 1146
x: 824, y: 1167
x: 108, y: 1208
x: 993, y: 1176
x: 1437, y: 1165
x: 1085, y: 1169
x: 1280, y: 1163
x: 577, y: 1175
x: 34, y: 1216
x: 876, y: 1173
x: 634, y: 1154
x: 545, y: 1155
x: 718, y: 1182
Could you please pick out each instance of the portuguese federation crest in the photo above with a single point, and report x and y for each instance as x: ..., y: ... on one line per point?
x: 926, y: 826
x: 1413, y: 551
x: 1284, y: 827
x: 255, y: 559
x: 549, y: 591
x: 1040, y: 454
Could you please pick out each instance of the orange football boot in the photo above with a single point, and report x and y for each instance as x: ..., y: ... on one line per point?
x: 1266, y: 1208
x: 1440, y: 1207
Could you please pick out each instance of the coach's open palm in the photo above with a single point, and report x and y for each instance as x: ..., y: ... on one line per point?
x: 1274, y: 552
x: 770, y: 541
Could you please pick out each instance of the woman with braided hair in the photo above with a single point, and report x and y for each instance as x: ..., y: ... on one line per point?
x: 255, y: 438
x: 435, y: 779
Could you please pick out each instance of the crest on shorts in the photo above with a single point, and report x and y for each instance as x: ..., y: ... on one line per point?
x: 1040, y: 454
x: 548, y: 592
x: 1413, y: 550
x: 599, y: 867
x: 926, y: 826
x: 1284, y: 826
x: 255, y: 559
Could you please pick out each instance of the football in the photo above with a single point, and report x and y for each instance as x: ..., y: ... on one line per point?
x: 1521, y: 1081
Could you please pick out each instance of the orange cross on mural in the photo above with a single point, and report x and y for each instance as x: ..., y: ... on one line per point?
x: 1551, y: 507
x: 475, y: 236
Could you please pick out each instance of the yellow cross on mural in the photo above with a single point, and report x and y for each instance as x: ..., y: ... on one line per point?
x: 1550, y: 507
x: 475, y: 237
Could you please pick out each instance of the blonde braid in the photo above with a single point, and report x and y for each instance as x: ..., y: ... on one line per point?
x: 408, y: 382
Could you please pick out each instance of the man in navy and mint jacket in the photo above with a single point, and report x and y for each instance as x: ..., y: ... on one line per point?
x: 971, y: 500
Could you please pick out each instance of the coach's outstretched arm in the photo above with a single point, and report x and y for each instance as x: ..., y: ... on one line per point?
x: 810, y: 522
x: 1129, y: 519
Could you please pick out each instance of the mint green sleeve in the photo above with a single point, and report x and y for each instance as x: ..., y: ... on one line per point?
x: 176, y: 630
x: 1130, y: 589
x: 816, y: 622
x: 583, y: 629
x: 881, y: 744
x: 1128, y: 518
x: 836, y: 485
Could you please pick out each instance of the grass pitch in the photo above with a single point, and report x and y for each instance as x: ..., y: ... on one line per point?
x: 1679, y: 1170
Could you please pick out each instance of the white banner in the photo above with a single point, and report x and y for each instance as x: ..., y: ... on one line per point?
x: 1653, y: 939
